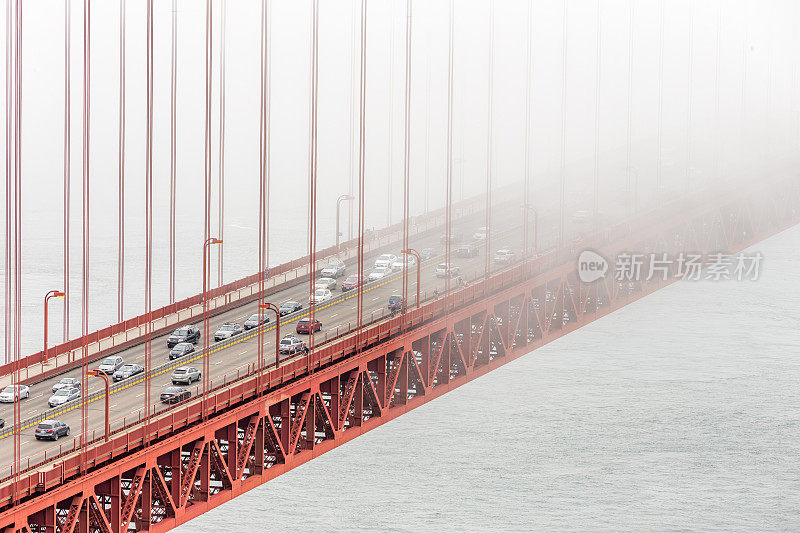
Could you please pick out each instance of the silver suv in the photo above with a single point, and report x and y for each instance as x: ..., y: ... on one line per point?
x: 185, y: 375
x: 111, y: 364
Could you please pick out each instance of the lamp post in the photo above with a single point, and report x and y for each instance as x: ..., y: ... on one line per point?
x: 529, y: 207
x: 412, y: 251
x: 209, y: 241
x: 51, y: 294
x: 342, y: 198
x: 266, y: 306
x: 103, y: 375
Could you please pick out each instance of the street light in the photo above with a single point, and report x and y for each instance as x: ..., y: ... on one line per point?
x: 342, y: 198
x: 103, y: 375
x: 529, y: 207
x: 51, y: 294
x: 411, y: 251
x: 209, y: 241
x: 266, y: 306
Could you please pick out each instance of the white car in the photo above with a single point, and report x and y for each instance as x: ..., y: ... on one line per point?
x: 398, y: 265
x: 321, y: 295
x: 325, y: 283
x: 63, y: 396
x: 385, y: 261
x: 480, y: 234
x: 444, y: 270
x: 334, y: 269
x: 379, y: 273
x: 503, y: 257
x: 8, y: 394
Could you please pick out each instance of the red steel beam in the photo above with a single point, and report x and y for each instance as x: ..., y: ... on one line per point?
x: 264, y: 435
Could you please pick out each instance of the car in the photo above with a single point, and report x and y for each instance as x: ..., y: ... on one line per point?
x: 185, y: 374
x: 128, y: 370
x: 255, y: 321
x: 51, y: 429
x: 68, y: 383
x: 184, y: 334
x: 227, y: 330
x: 379, y: 273
x: 444, y: 270
x: 353, y: 281
x: 2, y: 423
x: 466, y: 250
x: 291, y: 345
x: 400, y: 263
x: 304, y: 325
x: 325, y: 283
x: 503, y: 257
x: 110, y: 365
x: 181, y: 349
x: 175, y: 395
x: 455, y: 238
x: 320, y: 296
x: 427, y: 253
x: 396, y: 304
x: 385, y: 260
x: 480, y: 234
x: 287, y: 308
x: 63, y: 396
x: 334, y: 269
x: 8, y: 394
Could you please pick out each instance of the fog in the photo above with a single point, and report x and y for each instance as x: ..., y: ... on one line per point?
x: 698, y: 94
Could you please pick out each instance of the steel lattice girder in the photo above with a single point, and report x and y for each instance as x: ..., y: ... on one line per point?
x: 191, y: 467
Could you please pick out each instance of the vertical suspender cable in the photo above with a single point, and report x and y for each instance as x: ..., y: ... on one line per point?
x: 407, y: 152
x: 222, y: 104
x: 489, y: 147
x: 173, y: 131
x: 526, y: 199
x: 351, y: 165
x: 8, y: 353
x: 563, y: 166
x: 449, y: 160
x: 597, y: 77
x: 17, y: 232
x: 67, y: 159
x: 660, y: 156
x: 427, y: 133
x: 629, y: 188
x: 207, y: 199
x: 361, y: 172
x: 263, y: 182
x: 390, y: 154
x: 717, y: 118
x: 690, y: 99
x: 148, y: 235
x: 121, y: 170
x: 87, y: 40
x: 312, y: 185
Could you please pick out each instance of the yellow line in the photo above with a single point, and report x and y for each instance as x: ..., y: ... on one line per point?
x: 235, y: 342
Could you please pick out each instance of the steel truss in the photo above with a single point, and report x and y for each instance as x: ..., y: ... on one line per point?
x: 310, y: 406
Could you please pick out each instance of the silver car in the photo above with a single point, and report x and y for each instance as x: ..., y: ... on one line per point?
x: 8, y: 394
x: 63, y: 396
x: 111, y: 364
x: 67, y: 383
x: 185, y: 375
x: 51, y: 429
x: 128, y: 370
x: 325, y: 283
x: 253, y: 321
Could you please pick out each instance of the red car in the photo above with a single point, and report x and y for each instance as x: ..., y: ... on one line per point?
x: 304, y: 325
x: 352, y: 282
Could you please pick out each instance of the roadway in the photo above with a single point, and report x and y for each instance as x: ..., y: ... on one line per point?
x: 130, y: 399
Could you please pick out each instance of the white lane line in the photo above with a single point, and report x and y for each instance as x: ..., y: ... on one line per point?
x: 334, y: 314
x: 242, y: 353
x: 376, y: 298
x: 140, y: 395
x: 218, y: 363
x: 113, y: 405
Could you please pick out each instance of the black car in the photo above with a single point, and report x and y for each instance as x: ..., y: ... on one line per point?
x: 254, y: 321
x: 184, y: 334
x: 51, y: 429
x: 287, y: 308
x: 466, y: 250
x: 128, y: 370
x: 175, y: 395
x: 181, y: 349
x: 2, y: 423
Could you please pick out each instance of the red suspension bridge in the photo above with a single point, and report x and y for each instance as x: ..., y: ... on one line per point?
x: 257, y: 403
